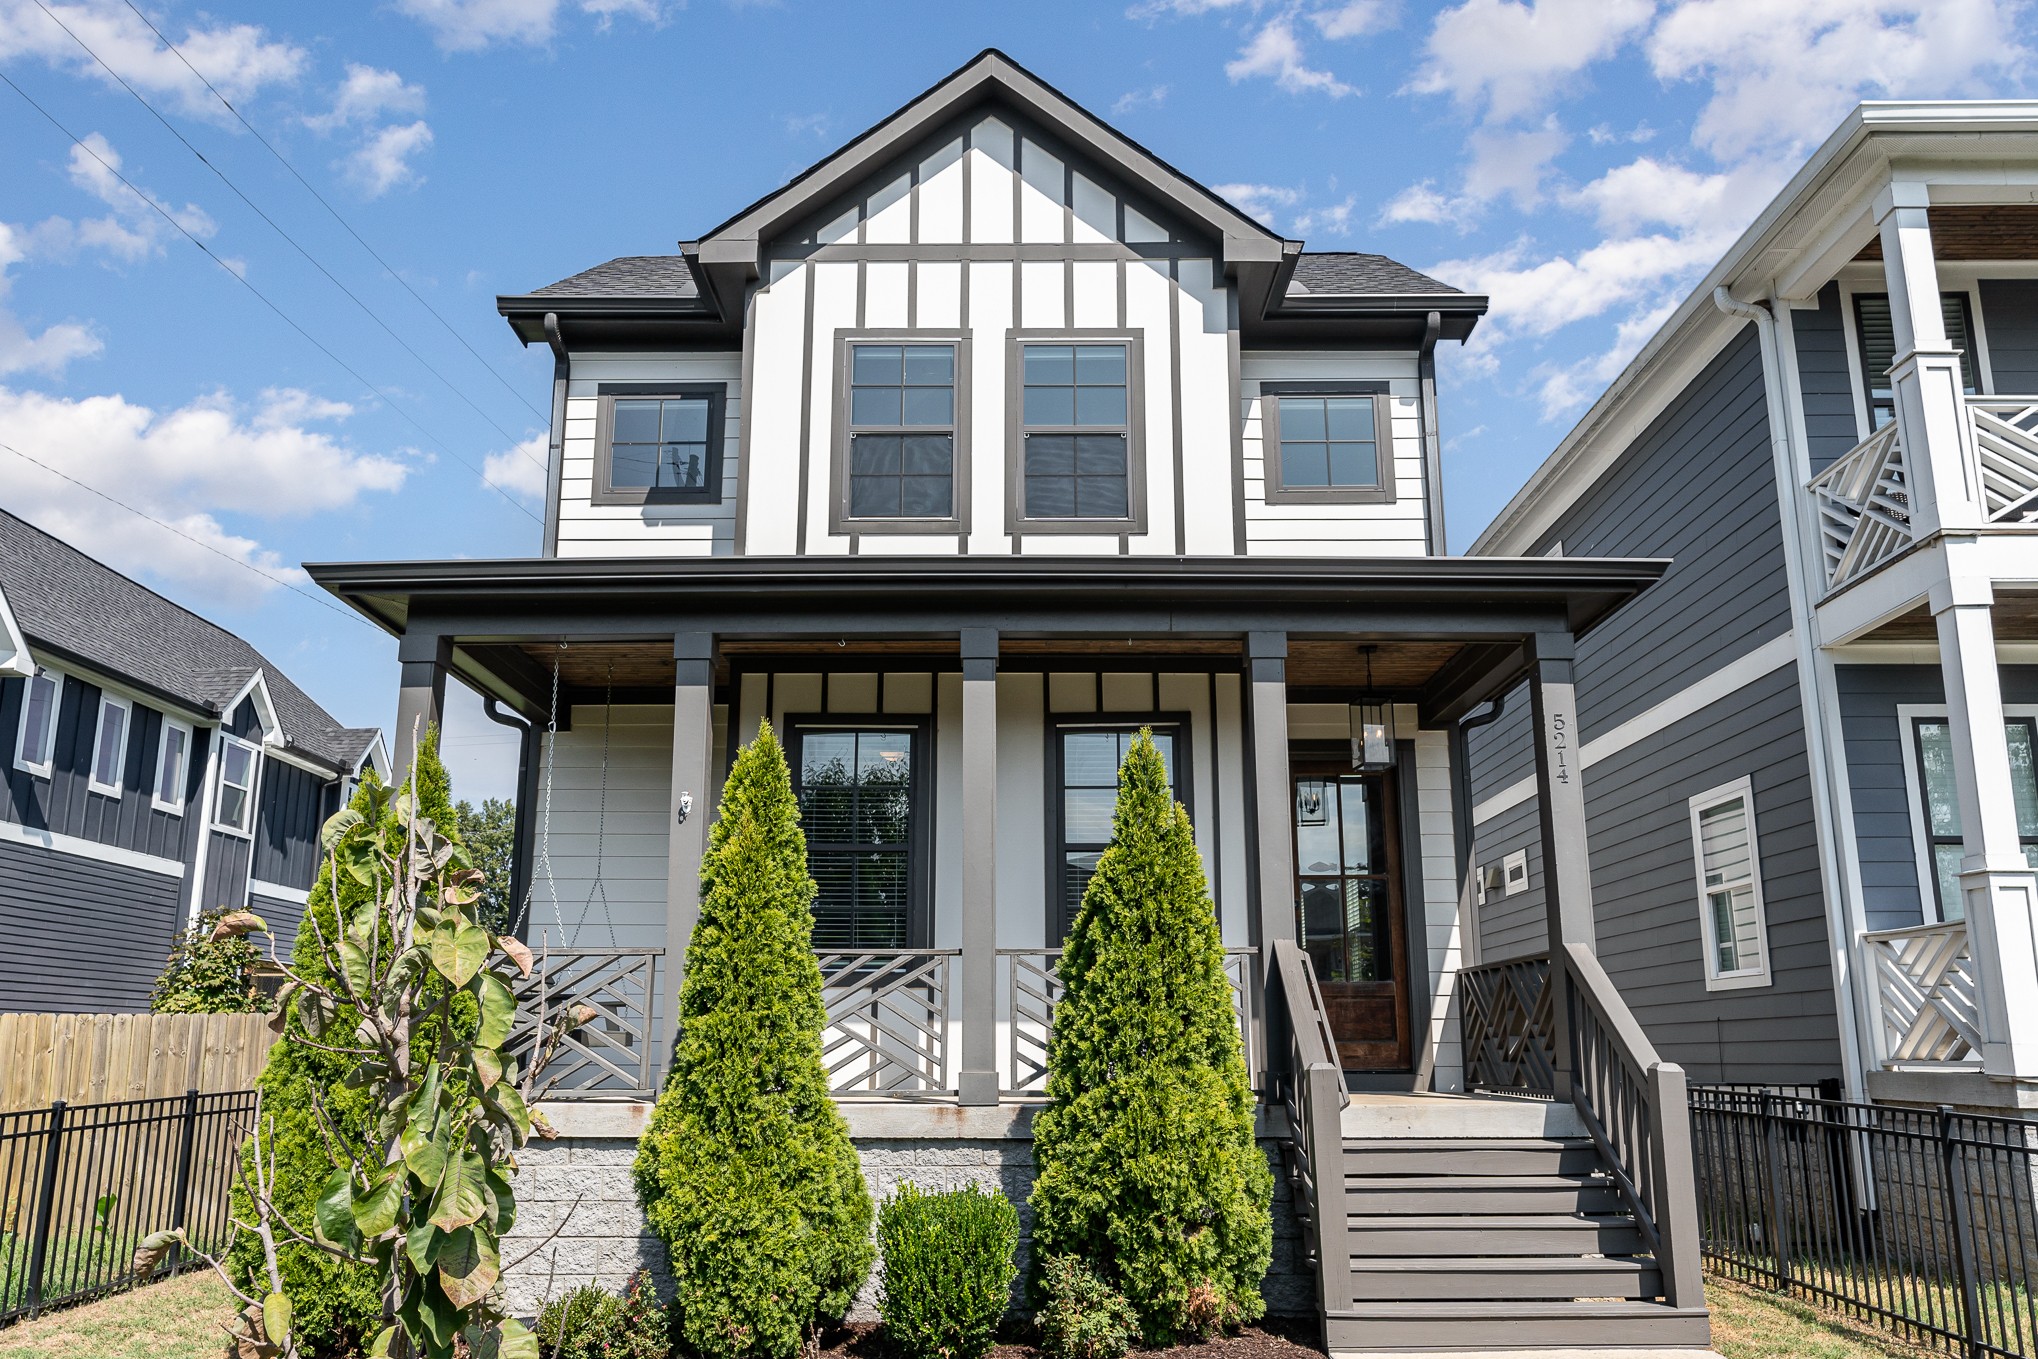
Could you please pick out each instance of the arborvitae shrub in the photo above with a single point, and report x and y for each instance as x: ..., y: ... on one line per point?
x: 593, y: 1323
x: 1081, y: 1317
x: 747, y: 1172
x: 1149, y: 1173
x: 945, y: 1270
x: 336, y: 1305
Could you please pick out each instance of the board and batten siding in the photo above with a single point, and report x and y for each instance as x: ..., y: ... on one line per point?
x: 83, y: 937
x: 1394, y: 529
x: 290, y: 809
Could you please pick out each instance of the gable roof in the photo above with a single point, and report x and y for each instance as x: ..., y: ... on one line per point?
x: 72, y: 608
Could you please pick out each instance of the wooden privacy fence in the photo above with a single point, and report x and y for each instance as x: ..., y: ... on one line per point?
x: 99, y: 1059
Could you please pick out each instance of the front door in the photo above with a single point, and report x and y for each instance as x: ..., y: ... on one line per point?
x: 1348, y: 914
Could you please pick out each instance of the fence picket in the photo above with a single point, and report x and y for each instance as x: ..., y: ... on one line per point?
x: 108, y: 1059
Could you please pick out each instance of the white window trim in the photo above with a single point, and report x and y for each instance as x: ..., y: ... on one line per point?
x: 219, y: 785
x: 1743, y: 789
x: 21, y: 762
x: 173, y: 806
x: 126, y: 706
x: 1952, y: 279
x: 1914, y: 795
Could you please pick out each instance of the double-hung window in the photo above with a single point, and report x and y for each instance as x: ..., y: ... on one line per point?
x: 35, y: 742
x: 1735, y: 932
x: 1876, y: 332
x: 1078, y: 460
x: 1327, y: 442
x: 1931, y: 756
x: 902, y: 467
x: 860, y: 799
x: 173, y: 766
x: 234, y: 806
x: 658, y: 443
x: 109, y: 745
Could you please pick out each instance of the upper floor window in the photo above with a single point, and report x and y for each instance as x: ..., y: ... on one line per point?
x: 1876, y: 330
x: 658, y: 443
x: 234, y: 808
x: 109, y: 745
x: 901, y: 468
x: 1078, y: 455
x: 1327, y: 442
x: 1730, y: 887
x: 1938, y: 798
x: 36, y: 742
x: 173, y: 763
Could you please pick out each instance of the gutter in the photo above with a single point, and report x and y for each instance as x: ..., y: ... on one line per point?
x: 1816, y: 692
x: 1432, y: 447
x: 1462, y: 827
x: 520, y: 833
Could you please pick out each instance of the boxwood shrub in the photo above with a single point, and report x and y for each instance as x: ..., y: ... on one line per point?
x: 946, y: 1270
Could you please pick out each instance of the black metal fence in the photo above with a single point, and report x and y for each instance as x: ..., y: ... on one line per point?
x: 82, y: 1184
x: 1921, y: 1222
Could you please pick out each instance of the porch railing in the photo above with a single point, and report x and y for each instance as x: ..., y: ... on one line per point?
x: 1864, y: 498
x: 1312, y: 1093
x: 1032, y: 990
x: 1927, y: 990
x: 1572, y: 1036
x: 888, y: 1013
x: 613, y: 1052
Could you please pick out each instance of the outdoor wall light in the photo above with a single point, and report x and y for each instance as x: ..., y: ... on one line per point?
x: 1372, y: 739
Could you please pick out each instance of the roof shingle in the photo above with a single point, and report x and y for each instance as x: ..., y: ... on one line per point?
x: 627, y: 276
x: 1345, y: 273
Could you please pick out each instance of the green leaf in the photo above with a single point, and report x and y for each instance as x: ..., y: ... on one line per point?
x: 102, y: 1211
x: 462, y: 1195
x: 316, y: 1012
x: 518, y: 1342
x: 458, y: 951
x: 441, y: 1317
x: 333, y: 1216
x: 426, y: 1157
x: 505, y: 1202
x: 375, y: 1208
x: 336, y: 827
x: 354, y: 967
x: 421, y: 1243
x: 487, y: 1066
x: 498, y: 1009
x: 384, y: 1341
x: 468, y: 1267
x: 276, y: 1318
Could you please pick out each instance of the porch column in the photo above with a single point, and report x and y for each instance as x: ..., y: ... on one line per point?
x: 422, y: 659
x: 1267, y: 674
x: 977, y: 1079
x: 1999, y: 891
x: 693, y: 717
x: 1931, y: 412
x: 1560, y: 800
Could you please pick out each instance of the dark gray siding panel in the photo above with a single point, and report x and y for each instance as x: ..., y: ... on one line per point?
x: 226, y: 873
x: 245, y: 723
x: 1825, y: 378
x: 1500, y: 754
x: 282, y: 917
x: 83, y: 937
x: 63, y: 802
x: 2009, y: 318
x: 292, y: 807
x: 1513, y: 926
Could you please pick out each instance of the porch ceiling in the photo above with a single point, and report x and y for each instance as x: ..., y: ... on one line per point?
x: 2016, y: 620
x: 1995, y: 231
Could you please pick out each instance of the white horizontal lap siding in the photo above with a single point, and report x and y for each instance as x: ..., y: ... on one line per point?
x: 618, y: 826
x: 1395, y: 529
x: 1439, y: 904
x: 590, y: 530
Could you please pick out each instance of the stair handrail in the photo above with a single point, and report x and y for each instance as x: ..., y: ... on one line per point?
x: 1637, y: 1109
x: 1313, y: 1096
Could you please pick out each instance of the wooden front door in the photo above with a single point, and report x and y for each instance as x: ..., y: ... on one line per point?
x: 1348, y: 913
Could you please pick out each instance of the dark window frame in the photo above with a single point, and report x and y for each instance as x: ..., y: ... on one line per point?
x: 840, y: 520
x: 1060, y: 916
x: 605, y: 492
x: 1923, y: 812
x: 1275, y: 492
x: 1017, y: 521
x: 1970, y: 355
x: 921, y: 848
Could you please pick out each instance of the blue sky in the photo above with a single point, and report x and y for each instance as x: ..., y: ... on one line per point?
x: 1583, y: 161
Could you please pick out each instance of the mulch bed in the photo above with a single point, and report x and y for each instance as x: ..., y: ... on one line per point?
x: 1272, y: 1338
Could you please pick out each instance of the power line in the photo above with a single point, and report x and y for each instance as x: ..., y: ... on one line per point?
x: 263, y: 297
x: 374, y: 254
x: 351, y: 296
x: 200, y: 542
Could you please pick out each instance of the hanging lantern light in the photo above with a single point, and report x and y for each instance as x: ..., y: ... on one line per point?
x: 1372, y: 735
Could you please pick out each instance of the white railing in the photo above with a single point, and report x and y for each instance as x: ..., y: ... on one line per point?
x: 1928, y: 991
x: 888, y: 1015
x: 2006, y: 446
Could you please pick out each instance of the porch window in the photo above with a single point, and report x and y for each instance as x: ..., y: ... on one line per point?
x: 1876, y: 331
x: 1730, y: 887
x: 109, y: 745
x: 1077, y: 467
x: 234, y: 809
x: 1326, y: 442
x: 659, y: 443
x: 859, y: 809
x: 1088, y: 759
x: 36, y: 742
x: 1341, y: 864
x: 902, y: 426
x: 1932, y: 749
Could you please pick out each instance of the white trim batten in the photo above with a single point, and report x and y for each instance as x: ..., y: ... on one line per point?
x: 16, y: 833
x: 1733, y: 924
x: 99, y: 777
x: 300, y: 896
x: 171, y: 778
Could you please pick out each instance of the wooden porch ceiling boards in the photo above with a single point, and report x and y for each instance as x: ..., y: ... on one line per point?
x: 1993, y: 231
x: 2016, y: 620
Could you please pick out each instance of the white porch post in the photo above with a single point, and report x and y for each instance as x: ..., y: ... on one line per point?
x: 977, y: 1081
x: 693, y: 720
x: 1930, y: 406
x: 1998, y: 889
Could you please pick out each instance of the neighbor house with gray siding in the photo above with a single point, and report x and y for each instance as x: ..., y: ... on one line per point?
x: 156, y: 766
x: 1808, y: 751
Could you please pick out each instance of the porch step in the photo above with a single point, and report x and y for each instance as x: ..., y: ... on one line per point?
x: 1504, y: 1278
x: 1502, y: 1326
x: 1492, y: 1235
x: 1376, y: 1117
x: 1481, y: 1194
x: 1463, y: 1156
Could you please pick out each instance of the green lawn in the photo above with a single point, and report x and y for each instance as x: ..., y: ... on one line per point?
x: 176, y: 1319
x: 1748, y: 1323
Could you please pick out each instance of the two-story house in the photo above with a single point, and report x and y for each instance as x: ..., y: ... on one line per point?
x: 156, y: 766
x: 986, y: 442
x: 1809, y: 749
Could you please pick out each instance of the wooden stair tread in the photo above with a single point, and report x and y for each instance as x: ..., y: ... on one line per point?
x: 1473, y: 1264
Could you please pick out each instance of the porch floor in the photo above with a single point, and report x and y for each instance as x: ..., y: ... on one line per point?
x: 1422, y: 1114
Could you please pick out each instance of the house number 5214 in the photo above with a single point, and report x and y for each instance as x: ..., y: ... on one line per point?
x: 1560, y: 747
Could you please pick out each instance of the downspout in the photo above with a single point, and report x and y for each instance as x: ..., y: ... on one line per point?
x: 1462, y: 827
x: 555, y: 455
x: 1432, y: 448
x: 1818, y: 714
x: 520, y: 841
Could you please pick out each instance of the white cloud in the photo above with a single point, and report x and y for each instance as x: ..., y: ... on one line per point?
x: 521, y: 469
x: 1784, y: 71
x: 1258, y: 200
x: 1153, y: 96
x: 134, y: 229
x: 1276, y: 54
x: 383, y: 161
x: 58, y: 345
x: 241, y: 60
x: 470, y: 25
x: 1425, y: 202
x: 1333, y: 220
x: 1511, y: 162
x: 365, y: 96
x: 185, y: 466
x: 1155, y: 8
x: 1354, y: 19
x: 1513, y: 57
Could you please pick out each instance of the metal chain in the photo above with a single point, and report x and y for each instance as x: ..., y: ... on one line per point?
x: 598, y: 886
